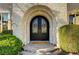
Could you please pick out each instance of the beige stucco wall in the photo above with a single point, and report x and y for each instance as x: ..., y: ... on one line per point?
x: 5, y: 7
x: 21, y: 21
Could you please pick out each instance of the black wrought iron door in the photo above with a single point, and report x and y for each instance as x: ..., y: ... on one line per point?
x: 39, y: 29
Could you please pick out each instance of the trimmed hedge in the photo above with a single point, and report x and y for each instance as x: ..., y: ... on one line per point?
x: 9, y: 45
x: 7, y: 32
x: 69, y: 38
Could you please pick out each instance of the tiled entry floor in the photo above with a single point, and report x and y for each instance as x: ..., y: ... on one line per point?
x: 33, y: 49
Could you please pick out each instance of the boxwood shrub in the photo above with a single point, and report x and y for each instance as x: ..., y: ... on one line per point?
x: 9, y: 44
x: 7, y: 32
x: 69, y: 38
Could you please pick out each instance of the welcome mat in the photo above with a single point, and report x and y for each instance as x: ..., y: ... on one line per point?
x: 40, y: 42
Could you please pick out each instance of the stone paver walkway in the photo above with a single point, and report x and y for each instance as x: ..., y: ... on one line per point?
x: 33, y: 49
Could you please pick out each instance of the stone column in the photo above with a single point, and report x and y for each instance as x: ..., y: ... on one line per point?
x: 9, y: 25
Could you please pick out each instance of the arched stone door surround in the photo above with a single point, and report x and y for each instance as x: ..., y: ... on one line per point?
x: 32, y: 12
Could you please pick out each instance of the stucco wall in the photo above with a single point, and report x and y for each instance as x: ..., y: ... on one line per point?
x: 59, y: 12
x: 5, y: 7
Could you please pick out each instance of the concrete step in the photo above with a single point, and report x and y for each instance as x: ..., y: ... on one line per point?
x: 39, y: 49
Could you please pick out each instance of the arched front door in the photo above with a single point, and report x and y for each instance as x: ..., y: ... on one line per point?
x: 39, y: 29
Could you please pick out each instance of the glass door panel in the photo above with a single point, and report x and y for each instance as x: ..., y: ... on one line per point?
x: 39, y: 29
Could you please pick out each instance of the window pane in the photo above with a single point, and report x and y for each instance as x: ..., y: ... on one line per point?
x: 35, y: 26
x: 5, y: 17
x: 44, y: 26
x: 71, y: 19
x: 5, y: 25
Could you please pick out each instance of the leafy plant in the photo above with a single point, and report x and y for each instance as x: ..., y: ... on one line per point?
x: 9, y: 44
x: 69, y: 38
x: 7, y: 31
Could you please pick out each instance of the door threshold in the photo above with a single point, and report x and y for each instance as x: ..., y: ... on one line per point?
x: 40, y: 42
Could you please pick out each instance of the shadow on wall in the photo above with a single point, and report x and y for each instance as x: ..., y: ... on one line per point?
x: 57, y: 22
x: 16, y: 24
x: 5, y: 6
x: 16, y: 19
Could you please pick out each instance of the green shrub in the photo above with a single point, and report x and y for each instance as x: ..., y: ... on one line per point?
x: 7, y: 31
x: 9, y: 45
x: 69, y: 38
